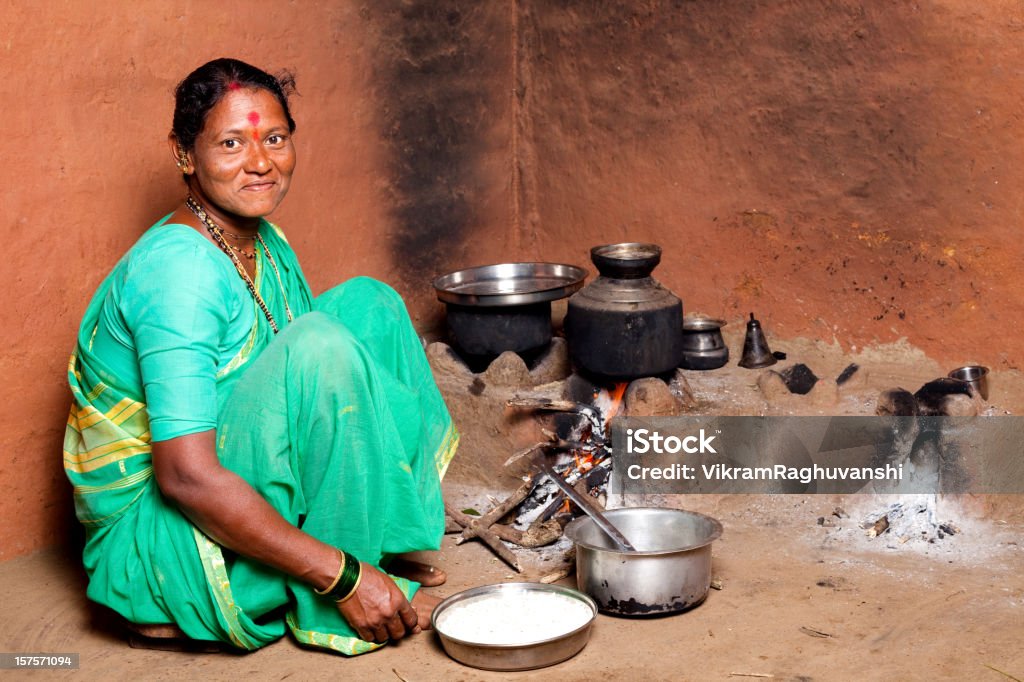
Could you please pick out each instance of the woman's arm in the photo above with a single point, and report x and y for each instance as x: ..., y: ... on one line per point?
x: 229, y: 510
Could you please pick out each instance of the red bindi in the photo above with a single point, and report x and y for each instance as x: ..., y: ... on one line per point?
x: 254, y: 119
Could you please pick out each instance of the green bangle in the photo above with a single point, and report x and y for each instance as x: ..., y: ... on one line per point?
x: 349, y: 577
x: 334, y: 583
x: 359, y: 578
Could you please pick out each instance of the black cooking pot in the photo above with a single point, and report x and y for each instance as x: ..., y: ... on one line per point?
x: 625, y: 325
x: 495, y: 308
x: 492, y: 330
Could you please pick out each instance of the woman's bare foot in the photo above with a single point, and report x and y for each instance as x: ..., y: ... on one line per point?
x: 424, y: 574
x: 424, y: 604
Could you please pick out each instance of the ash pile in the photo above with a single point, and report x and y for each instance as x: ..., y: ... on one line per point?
x: 920, y: 522
x: 909, y: 520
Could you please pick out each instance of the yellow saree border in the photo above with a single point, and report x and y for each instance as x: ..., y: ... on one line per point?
x: 242, y: 356
x: 449, y: 444
x: 350, y: 646
x: 113, y: 515
x: 216, y: 571
x: 343, y: 644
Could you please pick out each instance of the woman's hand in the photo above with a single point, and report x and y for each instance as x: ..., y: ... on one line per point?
x: 378, y: 611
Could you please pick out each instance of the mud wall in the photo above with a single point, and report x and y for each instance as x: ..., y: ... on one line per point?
x: 847, y: 170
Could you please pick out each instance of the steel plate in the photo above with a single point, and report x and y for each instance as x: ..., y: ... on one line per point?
x: 510, y: 284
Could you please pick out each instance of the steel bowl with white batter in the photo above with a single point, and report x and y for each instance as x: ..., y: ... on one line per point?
x: 519, y: 655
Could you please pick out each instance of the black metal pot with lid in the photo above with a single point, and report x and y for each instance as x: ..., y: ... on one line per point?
x: 625, y: 325
x: 496, y: 308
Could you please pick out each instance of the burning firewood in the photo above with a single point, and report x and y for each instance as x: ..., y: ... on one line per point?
x: 580, y: 458
x: 526, y: 452
x: 563, y: 444
x: 493, y: 516
x: 551, y: 405
x: 487, y: 529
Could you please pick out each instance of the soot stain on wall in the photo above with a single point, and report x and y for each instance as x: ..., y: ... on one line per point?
x: 436, y: 71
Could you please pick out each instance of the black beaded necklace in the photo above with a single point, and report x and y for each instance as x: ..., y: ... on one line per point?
x: 216, y: 232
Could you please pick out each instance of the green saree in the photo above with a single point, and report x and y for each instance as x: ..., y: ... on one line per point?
x: 336, y: 421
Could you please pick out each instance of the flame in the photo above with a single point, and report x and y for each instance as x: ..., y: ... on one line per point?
x: 584, y: 460
x: 616, y: 395
x: 614, y: 398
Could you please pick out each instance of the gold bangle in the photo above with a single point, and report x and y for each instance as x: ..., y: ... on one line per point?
x: 354, y: 587
x: 334, y: 582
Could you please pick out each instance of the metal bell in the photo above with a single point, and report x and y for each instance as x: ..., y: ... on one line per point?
x: 756, y: 353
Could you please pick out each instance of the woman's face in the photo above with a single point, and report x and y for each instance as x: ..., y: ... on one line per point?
x: 243, y: 159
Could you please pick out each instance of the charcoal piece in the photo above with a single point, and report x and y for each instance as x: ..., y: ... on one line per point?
x: 936, y: 397
x: 845, y: 375
x: 779, y: 355
x: 799, y: 378
x: 563, y: 518
x: 596, y: 477
x: 553, y: 507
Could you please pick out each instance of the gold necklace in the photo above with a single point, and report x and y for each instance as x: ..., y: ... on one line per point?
x: 251, y: 255
x: 216, y: 232
x: 249, y: 238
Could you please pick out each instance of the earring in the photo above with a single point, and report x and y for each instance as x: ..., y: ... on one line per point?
x: 182, y: 160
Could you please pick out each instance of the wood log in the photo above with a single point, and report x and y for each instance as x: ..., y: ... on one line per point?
x: 488, y: 537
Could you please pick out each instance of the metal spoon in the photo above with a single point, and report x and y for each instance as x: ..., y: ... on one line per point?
x: 584, y: 503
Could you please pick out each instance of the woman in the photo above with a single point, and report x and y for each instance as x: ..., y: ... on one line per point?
x: 245, y: 457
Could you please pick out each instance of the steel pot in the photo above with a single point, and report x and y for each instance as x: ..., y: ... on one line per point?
x: 703, y: 345
x: 624, y: 324
x: 669, y: 572
x: 974, y: 376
